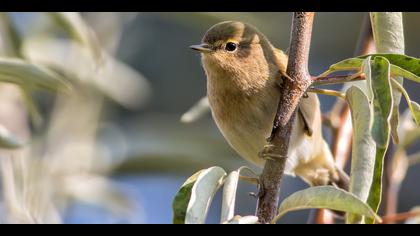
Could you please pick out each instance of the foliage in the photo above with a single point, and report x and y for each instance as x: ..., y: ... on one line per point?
x: 44, y: 170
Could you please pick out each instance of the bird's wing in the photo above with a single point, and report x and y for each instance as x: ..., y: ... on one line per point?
x: 308, y: 105
x: 308, y: 111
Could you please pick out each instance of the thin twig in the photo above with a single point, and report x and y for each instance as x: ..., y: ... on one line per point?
x: 414, y: 159
x: 338, y: 79
x: 399, y: 217
x: 328, y: 92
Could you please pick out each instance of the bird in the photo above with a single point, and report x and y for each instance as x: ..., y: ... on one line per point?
x: 244, y: 72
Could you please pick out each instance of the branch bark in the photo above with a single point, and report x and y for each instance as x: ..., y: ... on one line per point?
x: 290, y: 93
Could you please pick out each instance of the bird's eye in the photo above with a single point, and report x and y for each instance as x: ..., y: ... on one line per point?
x: 231, y: 46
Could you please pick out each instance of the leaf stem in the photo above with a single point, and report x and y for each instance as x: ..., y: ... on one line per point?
x: 328, y: 92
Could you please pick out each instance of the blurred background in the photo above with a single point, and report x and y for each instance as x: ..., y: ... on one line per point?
x: 114, y: 149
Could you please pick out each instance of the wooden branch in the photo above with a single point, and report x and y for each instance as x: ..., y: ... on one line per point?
x: 290, y: 93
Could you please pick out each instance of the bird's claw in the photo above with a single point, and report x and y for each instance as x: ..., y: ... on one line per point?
x: 270, y: 152
x: 261, y: 191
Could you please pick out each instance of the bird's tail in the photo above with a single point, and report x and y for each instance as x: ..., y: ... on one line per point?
x: 322, y: 170
x: 342, y: 181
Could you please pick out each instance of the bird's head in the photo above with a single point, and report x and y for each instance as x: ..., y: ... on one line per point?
x: 235, y: 47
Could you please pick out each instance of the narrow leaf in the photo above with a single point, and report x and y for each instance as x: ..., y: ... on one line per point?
x: 344, y: 65
x: 30, y: 76
x: 415, y: 110
x: 230, y: 187
x: 202, y: 194
x: 363, y: 148
x: 325, y: 197
x: 229, y: 196
x: 407, y: 63
x: 414, y: 107
x: 180, y: 202
x: 380, y: 83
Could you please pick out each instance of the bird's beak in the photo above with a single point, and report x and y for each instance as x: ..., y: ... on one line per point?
x: 203, y: 48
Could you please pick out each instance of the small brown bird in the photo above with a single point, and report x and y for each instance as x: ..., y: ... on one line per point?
x: 243, y: 73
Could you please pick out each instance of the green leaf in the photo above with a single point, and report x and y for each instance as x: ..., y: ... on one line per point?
x: 415, y: 110
x: 398, y: 71
x: 30, y: 76
x: 202, y: 193
x: 344, y: 65
x: 363, y: 148
x: 379, y: 82
x: 8, y: 140
x: 193, y: 200
x: 407, y: 63
x: 180, y: 202
x: 325, y: 197
x: 401, y: 65
x: 414, y: 107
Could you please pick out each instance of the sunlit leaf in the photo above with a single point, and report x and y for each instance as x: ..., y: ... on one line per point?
x: 363, y: 148
x: 379, y: 81
x: 192, y: 201
x: 30, y: 76
x: 242, y: 220
x: 229, y: 196
x: 230, y: 187
x: 325, y: 197
x: 414, y: 107
x: 182, y: 198
x: 401, y: 65
x: 202, y: 194
x: 344, y: 65
x: 410, y: 64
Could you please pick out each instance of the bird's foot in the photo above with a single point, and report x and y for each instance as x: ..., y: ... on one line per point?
x: 270, y: 152
x: 260, y: 192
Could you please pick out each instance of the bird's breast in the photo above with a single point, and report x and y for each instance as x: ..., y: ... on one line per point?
x: 245, y: 120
